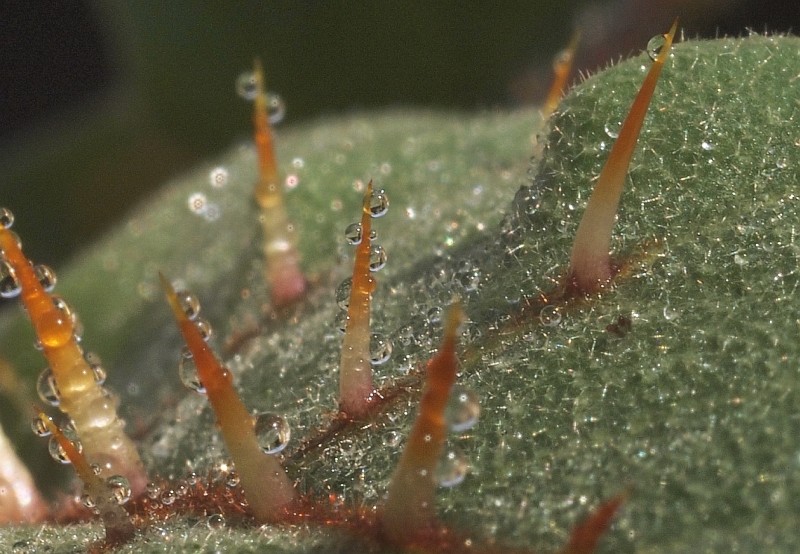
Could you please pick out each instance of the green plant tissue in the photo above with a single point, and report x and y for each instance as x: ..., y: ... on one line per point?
x: 694, y: 410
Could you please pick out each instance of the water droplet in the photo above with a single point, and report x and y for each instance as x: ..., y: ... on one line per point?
x: 782, y: 163
x: 58, y: 453
x: 343, y: 293
x: 88, y: 501
x: 272, y: 432
x: 246, y: 86
x: 96, y: 469
x: 379, y: 203
x: 39, y: 427
x: 152, y: 489
x: 463, y: 409
x: 380, y: 349
x: 291, y: 181
x: 353, y: 233
x: 392, y: 439
x: 10, y: 286
x: 434, y: 315
x: 452, y: 468
x: 46, y: 277
x: 120, y: 488
x: 612, y: 129
x: 187, y: 371
x: 193, y: 478
x: 468, y: 276
x: 212, y: 212
x: 654, y: 46
x: 276, y: 108
x: 218, y: 177
x: 47, y: 389
x: 232, y: 479
x: 707, y: 145
x: 670, y: 313
x: 215, y: 521
x: 6, y: 218
x: 206, y: 331
x: 340, y: 323
x: 197, y: 203
x: 99, y: 373
x: 550, y: 316
x: 377, y: 257
x: 189, y: 303
x: 168, y: 497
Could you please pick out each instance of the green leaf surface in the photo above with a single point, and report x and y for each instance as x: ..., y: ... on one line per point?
x: 695, y: 408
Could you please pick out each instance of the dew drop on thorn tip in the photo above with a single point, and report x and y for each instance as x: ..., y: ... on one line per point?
x: 355, y: 366
x: 410, y: 502
x: 71, y: 382
x: 286, y: 282
x: 104, y: 495
x: 264, y: 482
x: 590, y: 263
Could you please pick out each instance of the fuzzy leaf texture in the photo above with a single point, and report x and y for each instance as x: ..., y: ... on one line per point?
x: 695, y: 408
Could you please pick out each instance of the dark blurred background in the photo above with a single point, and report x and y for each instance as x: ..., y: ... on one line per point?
x: 100, y: 102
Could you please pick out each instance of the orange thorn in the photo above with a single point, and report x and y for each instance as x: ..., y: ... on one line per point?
x: 283, y: 275
x: 117, y: 523
x: 586, y: 535
x: 590, y: 263
x: 264, y: 482
x: 562, y: 67
x: 91, y: 407
x: 409, y: 508
x: 355, y: 371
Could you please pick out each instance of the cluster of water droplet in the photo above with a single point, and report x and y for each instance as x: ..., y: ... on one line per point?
x: 461, y: 414
x: 247, y: 88
x: 187, y: 369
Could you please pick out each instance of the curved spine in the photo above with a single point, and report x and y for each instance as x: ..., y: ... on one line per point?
x: 590, y: 262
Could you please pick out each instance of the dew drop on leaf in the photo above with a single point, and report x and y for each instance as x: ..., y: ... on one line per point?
x: 463, y: 409
x: 452, y: 468
x: 215, y: 521
x: 272, y: 432
x: 380, y: 349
